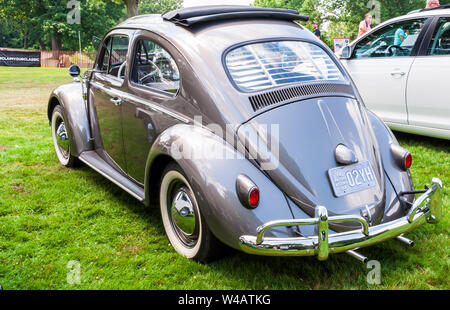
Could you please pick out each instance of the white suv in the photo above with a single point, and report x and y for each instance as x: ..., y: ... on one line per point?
x: 402, y: 70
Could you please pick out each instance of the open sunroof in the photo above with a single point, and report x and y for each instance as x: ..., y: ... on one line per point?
x: 201, y: 14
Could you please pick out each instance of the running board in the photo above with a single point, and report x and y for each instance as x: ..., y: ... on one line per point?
x: 93, y: 160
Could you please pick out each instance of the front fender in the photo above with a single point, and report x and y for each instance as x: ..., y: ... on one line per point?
x: 70, y: 97
x: 212, y: 170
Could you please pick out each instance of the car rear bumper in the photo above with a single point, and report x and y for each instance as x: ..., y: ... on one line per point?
x: 426, y: 208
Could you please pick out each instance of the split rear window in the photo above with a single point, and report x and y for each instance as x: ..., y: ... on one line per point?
x: 264, y: 65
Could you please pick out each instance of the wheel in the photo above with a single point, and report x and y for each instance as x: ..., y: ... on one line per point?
x: 183, y: 222
x: 61, y: 138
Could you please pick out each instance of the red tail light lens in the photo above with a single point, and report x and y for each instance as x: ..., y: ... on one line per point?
x: 253, y: 197
x: 408, y: 161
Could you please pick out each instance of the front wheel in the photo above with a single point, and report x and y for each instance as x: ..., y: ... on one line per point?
x: 61, y: 140
x: 183, y: 222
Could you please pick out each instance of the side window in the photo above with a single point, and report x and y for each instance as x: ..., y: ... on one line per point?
x: 119, y: 50
x: 440, y: 44
x: 394, y: 40
x: 154, y: 67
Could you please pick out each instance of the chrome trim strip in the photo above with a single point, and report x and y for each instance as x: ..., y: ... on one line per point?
x: 126, y: 96
x: 141, y: 199
x: 427, y: 208
x: 155, y: 107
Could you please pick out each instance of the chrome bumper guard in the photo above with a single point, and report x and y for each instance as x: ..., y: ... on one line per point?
x: 426, y: 208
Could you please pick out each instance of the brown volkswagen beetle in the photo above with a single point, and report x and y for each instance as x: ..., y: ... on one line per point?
x: 246, y: 130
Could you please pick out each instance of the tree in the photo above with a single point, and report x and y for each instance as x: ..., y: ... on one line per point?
x: 159, y: 6
x: 45, y: 21
x: 132, y: 7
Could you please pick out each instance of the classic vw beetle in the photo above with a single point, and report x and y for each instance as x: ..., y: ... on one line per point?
x: 246, y: 129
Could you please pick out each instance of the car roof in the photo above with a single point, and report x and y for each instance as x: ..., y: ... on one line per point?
x: 224, y: 33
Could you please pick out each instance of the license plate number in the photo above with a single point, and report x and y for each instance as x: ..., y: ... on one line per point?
x: 351, y: 179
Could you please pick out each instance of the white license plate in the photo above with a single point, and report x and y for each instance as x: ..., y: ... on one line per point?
x: 351, y: 179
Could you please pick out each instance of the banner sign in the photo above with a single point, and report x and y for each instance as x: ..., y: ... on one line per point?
x: 20, y: 59
x: 339, y: 44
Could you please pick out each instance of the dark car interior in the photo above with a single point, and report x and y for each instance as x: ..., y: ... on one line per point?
x: 441, y: 42
x: 154, y: 67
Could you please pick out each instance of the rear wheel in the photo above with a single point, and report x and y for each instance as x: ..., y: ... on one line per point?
x: 61, y: 138
x: 183, y: 222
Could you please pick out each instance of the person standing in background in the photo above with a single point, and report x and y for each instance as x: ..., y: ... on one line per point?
x: 431, y: 4
x: 316, y: 30
x: 365, y: 25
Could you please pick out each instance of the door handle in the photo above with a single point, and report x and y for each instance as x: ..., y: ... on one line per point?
x: 396, y: 73
x: 117, y: 101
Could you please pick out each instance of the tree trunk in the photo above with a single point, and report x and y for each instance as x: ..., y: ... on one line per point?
x: 25, y: 41
x: 132, y: 7
x: 41, y: 43
x: 25, y: 38
x: 56, y: 42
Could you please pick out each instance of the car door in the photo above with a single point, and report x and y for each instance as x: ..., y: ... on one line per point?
x: 107, y: 88
x: 380, y: 66
x: 428, y: 102
x: 149, y: 107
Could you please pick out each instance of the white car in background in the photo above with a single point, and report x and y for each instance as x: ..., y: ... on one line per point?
x: 406, y: 83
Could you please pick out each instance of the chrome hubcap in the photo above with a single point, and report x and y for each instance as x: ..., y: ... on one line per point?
x: 61, y: 137
x: 183, y: 213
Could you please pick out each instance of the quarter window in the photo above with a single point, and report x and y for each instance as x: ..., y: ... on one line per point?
x: 395, y: 40
x: 262, y: 65
x: 154, y: 67
x: 104, y: 62
x: 440, y: 44
x: 118, y: 61
x: 115, y: 56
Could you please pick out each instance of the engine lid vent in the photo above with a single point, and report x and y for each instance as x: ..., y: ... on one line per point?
x: 266, y: 99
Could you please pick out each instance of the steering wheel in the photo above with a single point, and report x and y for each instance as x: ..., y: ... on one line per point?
x: 157, y: 70
x: 390, y: 52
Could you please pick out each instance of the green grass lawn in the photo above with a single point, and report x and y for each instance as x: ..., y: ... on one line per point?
x: 50, y: 215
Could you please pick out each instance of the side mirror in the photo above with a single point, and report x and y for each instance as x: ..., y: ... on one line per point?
x: 74, y: 71
x: 346, y: 52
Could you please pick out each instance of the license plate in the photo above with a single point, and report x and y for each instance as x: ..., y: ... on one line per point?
x: 351, y: 179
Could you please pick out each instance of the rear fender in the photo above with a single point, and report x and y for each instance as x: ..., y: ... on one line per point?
x: 399, y: 178
x: 69, y: 96
x: 213, y: 178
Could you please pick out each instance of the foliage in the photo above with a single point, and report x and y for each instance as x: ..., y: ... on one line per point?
x: 135, y: 7
x: 159, y: 6
x: 42, y: 24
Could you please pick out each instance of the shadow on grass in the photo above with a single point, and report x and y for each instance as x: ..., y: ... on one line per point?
x: 433, y: 143
x: 257, y: 272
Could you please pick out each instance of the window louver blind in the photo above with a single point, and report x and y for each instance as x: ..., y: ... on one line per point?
x: 263, y: 65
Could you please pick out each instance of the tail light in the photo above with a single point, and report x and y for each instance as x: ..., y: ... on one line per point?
x: 408, y: 160
x: 253, y: 197
x: 401, y: 156
x: 247, y: 192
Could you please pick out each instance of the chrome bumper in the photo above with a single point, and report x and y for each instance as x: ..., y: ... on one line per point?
x: 426, y: 208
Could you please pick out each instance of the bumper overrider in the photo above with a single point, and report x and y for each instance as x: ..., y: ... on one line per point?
x: 426, y: 209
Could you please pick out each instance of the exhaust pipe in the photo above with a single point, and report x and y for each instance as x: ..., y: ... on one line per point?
x: 408, y: 242
x: 358, y: 256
